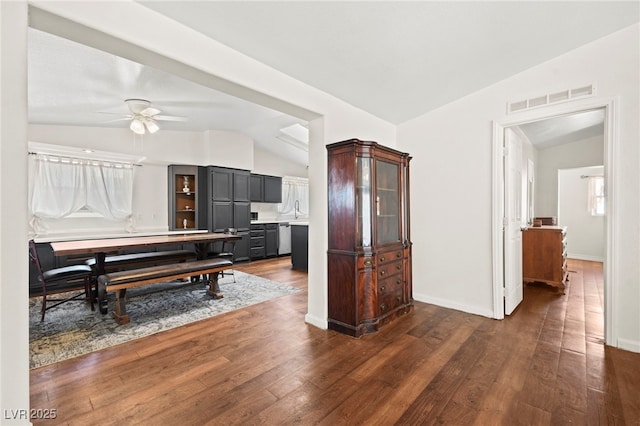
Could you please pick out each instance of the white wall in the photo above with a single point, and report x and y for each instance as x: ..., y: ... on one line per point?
x: 14, y: 322
x: 267, y: 163
x: 150, y: 210
x: 330, y: 120
x: 585, y: 233
x: 587, y: 152
x: 150, y: 201
x: 452, y: 183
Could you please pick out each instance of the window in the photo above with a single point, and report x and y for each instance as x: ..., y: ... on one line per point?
x: 63, y: 187
x: 295, y: 198
x: 596, y: 196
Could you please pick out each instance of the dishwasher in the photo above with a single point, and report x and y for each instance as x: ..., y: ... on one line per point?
x: 284, y: 239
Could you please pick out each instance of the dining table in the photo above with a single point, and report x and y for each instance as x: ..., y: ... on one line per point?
x: 100, y: 247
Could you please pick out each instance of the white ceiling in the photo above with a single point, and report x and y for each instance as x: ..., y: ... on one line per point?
x: 565, y: 129
x: 396, y: 60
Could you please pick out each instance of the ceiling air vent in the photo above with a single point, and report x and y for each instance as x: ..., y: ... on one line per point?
x: 550, y: 99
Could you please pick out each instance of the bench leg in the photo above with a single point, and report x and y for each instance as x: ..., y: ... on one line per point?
x: 120, y: 313
x: 103, y: 302
x: 214, y: 288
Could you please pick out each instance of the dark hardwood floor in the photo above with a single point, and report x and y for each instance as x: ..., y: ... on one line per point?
x: 544, y: 365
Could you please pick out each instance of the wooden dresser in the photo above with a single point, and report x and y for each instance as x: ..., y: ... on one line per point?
x: 369, y: 256
x: 544, y: 256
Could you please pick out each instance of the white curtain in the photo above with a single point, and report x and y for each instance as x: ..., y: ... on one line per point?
x: 62, y: 186
x: 295, y: 198
x: 110, y: 190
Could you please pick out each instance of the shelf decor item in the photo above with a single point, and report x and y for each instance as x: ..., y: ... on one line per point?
x: 369, y: 255
x: 185, y: 180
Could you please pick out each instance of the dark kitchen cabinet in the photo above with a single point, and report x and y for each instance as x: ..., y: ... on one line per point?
x: 257, y: 188
x: 299, y: 246
x: 369, y: 255
x: 266, y: 189
x: 272, y: 189
x: 264, y: 240
x: 271, y: 239
x: 187, y: 197
x: 230, y: 205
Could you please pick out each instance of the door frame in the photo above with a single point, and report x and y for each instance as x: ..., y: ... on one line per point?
x: 610, y: 105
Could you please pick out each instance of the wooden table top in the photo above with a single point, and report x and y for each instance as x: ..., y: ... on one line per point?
x: 104, y: 245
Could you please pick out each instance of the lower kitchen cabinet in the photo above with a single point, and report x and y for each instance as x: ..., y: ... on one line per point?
x: 271, y: 239
x: 264, y: 240
x: 299, y: 246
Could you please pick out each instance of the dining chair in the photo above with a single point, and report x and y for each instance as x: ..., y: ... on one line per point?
x: 226, y: 251
x: 65, y: 280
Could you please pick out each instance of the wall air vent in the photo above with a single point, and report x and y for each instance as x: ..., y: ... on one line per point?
x: 550, y: 99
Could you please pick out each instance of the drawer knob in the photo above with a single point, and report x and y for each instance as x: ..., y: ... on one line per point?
x: 399, y: 254
x: 382, y: 259
x: 383, y: 288
x: 398, y: 267
x: 383, y: 272
x: 383, y: 307
x: 367, y: 262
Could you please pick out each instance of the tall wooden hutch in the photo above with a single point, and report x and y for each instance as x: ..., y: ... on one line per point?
x: 369, y: 255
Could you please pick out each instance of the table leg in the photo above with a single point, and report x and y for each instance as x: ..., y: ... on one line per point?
x: 100, y: 257
x: 214, y: 288
x: 100, y: 270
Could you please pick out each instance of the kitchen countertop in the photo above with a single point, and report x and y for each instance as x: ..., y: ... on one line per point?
x: 291, y: 222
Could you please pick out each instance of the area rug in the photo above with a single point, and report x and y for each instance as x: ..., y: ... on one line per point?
x: 72, y: 329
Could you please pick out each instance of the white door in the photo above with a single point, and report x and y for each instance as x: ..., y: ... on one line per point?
x: 512, y: 221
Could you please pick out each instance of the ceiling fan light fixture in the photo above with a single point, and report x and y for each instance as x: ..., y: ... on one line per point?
x: 137, y: 126
x: 152, y: 126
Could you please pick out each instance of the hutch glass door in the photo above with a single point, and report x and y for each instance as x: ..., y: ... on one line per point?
x: 363, y: 201
x: 387, y: 202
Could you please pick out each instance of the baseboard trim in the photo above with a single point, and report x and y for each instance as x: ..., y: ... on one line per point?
x: 475, y: 310
x: 586, y: 257
x: 316, y: 322
x: 629, y: 345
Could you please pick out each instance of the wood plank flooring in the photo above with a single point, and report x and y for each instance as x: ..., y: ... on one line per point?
x: 262, y: 365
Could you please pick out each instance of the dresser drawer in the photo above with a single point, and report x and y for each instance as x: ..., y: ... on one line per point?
x: 389, y: 302
x: 390, y: 285
x: 389, y: 256
x: 389, y: 269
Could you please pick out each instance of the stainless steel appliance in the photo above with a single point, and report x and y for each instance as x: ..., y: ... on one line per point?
x: 284, y: 238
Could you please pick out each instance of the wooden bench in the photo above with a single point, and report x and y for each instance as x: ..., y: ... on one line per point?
x: 124, y: 261
x: 120, y: 281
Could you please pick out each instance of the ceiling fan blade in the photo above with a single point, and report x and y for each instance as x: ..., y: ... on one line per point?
x: 169, y: 118
x: 118, y: 119
x: 150, y: 112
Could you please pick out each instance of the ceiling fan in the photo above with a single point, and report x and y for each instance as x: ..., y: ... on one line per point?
x: 144, y: 117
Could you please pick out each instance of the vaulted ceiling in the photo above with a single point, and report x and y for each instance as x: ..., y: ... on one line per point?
x: 396, y: 60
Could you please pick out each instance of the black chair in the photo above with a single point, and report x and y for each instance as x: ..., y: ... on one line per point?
x: 226, y: 251
x: 62, y: 280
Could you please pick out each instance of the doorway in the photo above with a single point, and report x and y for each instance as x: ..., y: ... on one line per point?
x: 500, y: 249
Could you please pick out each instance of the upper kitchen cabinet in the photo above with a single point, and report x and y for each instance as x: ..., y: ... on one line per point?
x: 266, y: 189
x: 187, y: 197
x: 369, y: 255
